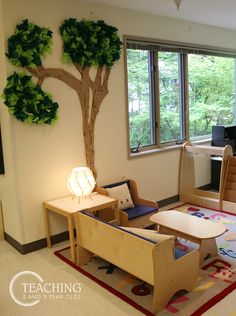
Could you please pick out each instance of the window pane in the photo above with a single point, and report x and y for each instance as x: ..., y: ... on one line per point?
x: 211, y: 93
x: 169, y: 85
x: 139, y: 98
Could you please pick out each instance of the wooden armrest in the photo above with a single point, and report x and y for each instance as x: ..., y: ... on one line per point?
x: 135, y: 196
x: 101, y: 190
x: 140, y: 201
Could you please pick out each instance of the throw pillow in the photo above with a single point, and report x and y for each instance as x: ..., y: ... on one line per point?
x: 122, y: 194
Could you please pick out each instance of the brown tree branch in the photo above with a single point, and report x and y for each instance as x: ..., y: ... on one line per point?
x: 99, y: 93
x: 82, y: 71
x: 41, y: 73
x: 78, y: 67
x: 106, y: 76
x: 98, y: 78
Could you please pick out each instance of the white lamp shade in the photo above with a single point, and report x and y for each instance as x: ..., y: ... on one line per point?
x: 81, y: 181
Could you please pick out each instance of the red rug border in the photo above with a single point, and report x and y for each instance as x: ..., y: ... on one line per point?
x: 214, y: 300
x: 103, y: 284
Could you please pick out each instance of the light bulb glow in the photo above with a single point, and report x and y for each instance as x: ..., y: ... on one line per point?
x: 81, y: 181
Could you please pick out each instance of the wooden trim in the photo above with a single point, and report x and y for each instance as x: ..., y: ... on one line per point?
x: 126, y: 97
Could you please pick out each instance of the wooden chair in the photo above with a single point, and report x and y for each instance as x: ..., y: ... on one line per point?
x: 137, y: 216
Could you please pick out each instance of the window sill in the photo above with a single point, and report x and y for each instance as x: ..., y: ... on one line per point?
x: 166, y: 149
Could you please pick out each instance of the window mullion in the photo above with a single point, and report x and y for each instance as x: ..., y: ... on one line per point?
x: 156, y: 98
x: 184, y: 95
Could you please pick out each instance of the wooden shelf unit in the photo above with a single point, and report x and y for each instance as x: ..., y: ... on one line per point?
x: 229, y: 190
x: 187, y: 191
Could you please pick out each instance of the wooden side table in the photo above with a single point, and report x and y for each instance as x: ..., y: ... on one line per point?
x: 68, y: 206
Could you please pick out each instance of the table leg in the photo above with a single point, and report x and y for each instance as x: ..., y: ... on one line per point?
x: 71, y: 236
x: 47, y: 226
x: 207, y: 246
x: 117, y: 213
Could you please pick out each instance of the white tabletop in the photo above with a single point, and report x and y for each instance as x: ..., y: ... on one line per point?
x: 188, y: 224
x: 72, y: 205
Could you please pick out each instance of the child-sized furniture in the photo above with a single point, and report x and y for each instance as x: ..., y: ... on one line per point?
x: 229, y: 187
x: 139, y: 211
x: 68, y: 206
x: 193, y: 156
x: 151, y: 262
x: 192, y: 228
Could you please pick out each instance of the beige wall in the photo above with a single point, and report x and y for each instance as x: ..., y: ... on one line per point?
x: 9, y: 195
x: 44, y: 155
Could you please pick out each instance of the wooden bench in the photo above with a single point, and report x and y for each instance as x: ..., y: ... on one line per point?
x: 153, y: 263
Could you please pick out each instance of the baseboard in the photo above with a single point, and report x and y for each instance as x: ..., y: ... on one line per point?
x: 14, y: 243
x: 170, y: 200
x: 35, y: 245
x: 206, y: 187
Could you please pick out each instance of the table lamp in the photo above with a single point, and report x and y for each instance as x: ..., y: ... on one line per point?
x: 81, y: 182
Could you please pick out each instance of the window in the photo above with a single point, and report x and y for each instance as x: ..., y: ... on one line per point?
x: 140, y: 98
x: 170, y: 96
x: 177, y: 92
x: 211, y: 93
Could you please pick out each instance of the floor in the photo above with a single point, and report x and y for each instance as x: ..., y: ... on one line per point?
x: 93, y: 299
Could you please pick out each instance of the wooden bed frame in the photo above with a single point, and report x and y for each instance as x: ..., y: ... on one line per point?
x: 151, y: 262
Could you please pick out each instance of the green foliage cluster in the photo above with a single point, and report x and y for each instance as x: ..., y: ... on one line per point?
x: 139, y: 97
x: 211, y: 82
x: 211, y: 93
x: 169, y: 88
x: 140, y: 128
x: 29, y: 43
x: 27, y: 101
x: 90, y: 43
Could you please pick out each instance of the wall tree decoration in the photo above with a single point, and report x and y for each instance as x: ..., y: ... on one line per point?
x: 86, y: 44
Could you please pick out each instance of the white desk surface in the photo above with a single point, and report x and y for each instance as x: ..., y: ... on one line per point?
x: 188, y: 224
x: 72, y: 205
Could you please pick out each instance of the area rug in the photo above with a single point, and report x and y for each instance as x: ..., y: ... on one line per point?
x: 217, y: 278
x: 226, y: 243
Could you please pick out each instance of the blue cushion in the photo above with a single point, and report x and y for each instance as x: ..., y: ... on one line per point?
x: 85, y: 212
x: 178, y: 253
x: 139, y: 210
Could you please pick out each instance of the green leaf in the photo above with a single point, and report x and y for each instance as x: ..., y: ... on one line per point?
x: 29, y: 44
x: 27, y: 101
x: 90, y: 43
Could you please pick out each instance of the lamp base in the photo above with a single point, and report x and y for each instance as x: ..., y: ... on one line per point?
x: 83, y: 197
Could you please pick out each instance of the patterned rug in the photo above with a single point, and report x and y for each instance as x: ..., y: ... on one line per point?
x: 217, y: 278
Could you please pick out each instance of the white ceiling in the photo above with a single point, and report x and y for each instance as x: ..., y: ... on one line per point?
x: 220, y: 13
